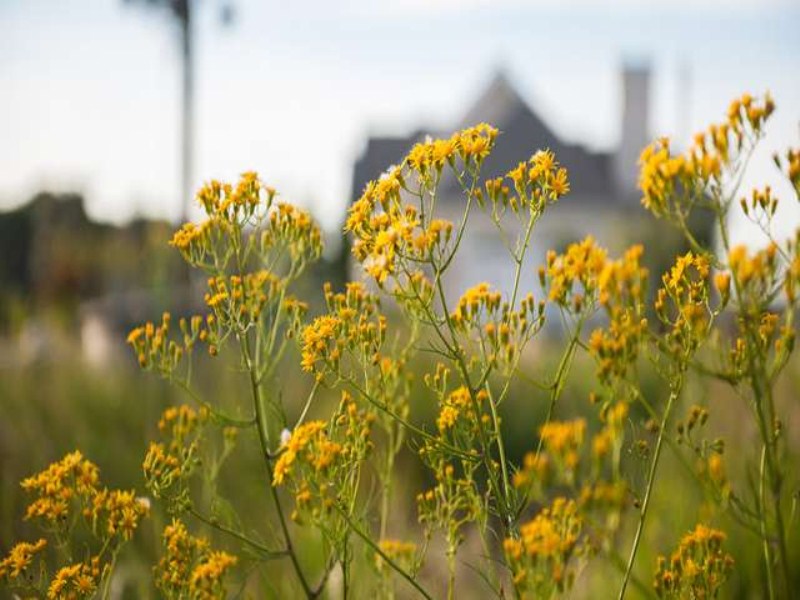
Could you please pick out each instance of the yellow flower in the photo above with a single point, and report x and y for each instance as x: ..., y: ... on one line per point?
x: 205, y: 582
x: 401, y: 552
x: 20, y: 558
x: 560, y: 437
x: 559, y: 184
x: 458, y: 405
x: 540, y: 558
x: 581, y: 265
x: 299, y: 439
x: 72, y: 582
x: 697, y: 569
x: 317, y: 339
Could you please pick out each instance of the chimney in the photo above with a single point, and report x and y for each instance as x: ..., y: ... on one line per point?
x: 634, y: 134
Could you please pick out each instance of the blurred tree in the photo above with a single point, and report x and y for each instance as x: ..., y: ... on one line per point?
x: 184, y: 12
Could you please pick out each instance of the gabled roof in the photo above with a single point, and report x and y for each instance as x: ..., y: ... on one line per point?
x: 501, y: 105
x: 522, y: 133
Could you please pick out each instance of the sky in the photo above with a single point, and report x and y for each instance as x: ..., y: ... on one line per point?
x: 89, y: 89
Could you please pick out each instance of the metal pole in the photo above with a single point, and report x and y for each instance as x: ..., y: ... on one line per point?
x: 187, y: 107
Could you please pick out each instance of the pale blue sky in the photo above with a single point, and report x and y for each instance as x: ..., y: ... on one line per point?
x: 89, y: 88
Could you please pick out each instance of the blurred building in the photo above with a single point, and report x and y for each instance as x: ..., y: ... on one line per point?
x: 603, y: 201
x: 64, y: 275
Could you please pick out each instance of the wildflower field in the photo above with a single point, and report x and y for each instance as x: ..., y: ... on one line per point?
x: 619, y: 434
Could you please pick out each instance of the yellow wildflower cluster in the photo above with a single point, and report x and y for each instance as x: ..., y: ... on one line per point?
x: 246, y: 216
x: 710, y: 463
x: 116, y: 512
x: 68, y: 494
x: 622, y: 287
x: 792, y: 158
x: 609, y: 439
x: 396, y: 231
x: 687, y: 287
x: 670, y: 183
x: 205, y: 582
x: 292, y: 229
x: 540, y: 559
x: 19, y: 560
x: 475, y: 301
x: 403, y: 553
x: 623, y: 281
x: 452, y: 503
x: 458, y: 411
x: 308, y: 442
x: 609, y: 497
x: 218, y: 198
x: 393, y: 237
x: 180, y: 421
x: 470, y: 145
x: 194, y: 239
x: 154, y: 349
x: 167, y: 466
x: 189, y: 567
x: 71, y: 479
x: 557, y: 458
x: 758, y: 278
x: 454, y: 500
x: 152, y: 345
x: 763, y: 202
x: 572, y: 278
x: 161, y: 469
x: 697, y: 569
x: 319, y: 462
x: 319, y: 344
x: 383, y: 192
x: 489, y: 321
x: 535, y: 471
x: 238, y: 301
x: 563, y: 441
x: 537, y: 181
x: 755, y: 276
x: 75, y: 581
x: 73, y: 484
x: 559, y: 461
x: 227, y: 208
x: 352, y: 324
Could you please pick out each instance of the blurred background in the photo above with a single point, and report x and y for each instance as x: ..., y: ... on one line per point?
x: 112, y: 112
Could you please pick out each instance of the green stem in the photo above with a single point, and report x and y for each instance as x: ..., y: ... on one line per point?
x: 366, y: 538
x: 619, y: 562
x: 386, y: 477
x: 560, y: 379
x: 762, y: 501
x: 107, y: 583
x: 458, y: 359
x: 676, y: 389
x: 407, y: 424
x: 263, y: 438
x: 519, y: 257
x: 503, y: 463
x: 451, y: 572
x: 268, y: 553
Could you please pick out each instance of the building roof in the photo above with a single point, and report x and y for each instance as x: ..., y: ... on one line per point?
x: 523, y: 132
